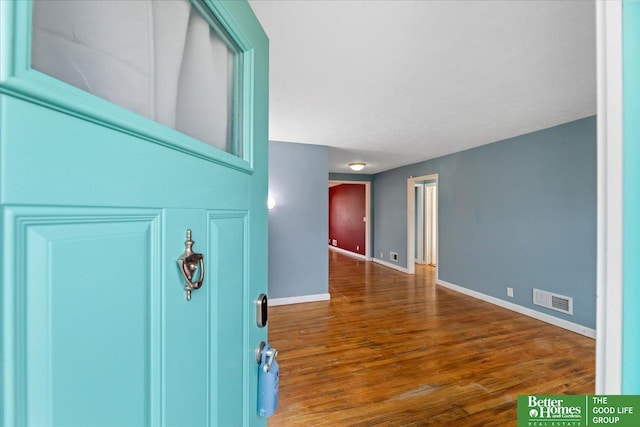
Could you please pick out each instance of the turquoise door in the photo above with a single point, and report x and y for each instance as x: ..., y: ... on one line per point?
x: 631, y: 272
x: 97, y: 191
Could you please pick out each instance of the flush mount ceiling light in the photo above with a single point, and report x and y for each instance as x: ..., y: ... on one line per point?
x: 357, y: 166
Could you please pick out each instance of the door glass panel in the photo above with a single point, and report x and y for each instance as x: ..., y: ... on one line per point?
x: 163, y: 59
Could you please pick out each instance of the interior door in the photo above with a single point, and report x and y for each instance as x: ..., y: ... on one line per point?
x: 99, y: 183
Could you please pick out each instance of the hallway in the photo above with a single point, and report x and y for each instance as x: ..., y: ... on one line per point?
x: 394, y: 349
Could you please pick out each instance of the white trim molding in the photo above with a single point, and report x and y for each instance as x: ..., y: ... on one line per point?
x: 610, y: 203
x: 300, y: 299
x: 348, y: 253
x: 564, y: 324
x: 388, y: 264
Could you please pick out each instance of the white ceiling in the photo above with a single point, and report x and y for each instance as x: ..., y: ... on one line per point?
x: 396, y: 82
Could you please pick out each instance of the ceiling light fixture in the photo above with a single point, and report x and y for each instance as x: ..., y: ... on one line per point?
x: 357, y: 166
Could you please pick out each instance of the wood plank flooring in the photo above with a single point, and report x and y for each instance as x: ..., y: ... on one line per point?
x: 396, y: 350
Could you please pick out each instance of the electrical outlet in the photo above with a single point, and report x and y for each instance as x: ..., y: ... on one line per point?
x: 510, y: 292
x: 357, y: 248
x: 335, y: 242
x: 393, y: 256
x: 381, y: 255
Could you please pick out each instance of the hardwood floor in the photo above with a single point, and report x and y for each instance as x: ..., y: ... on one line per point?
x: 396, y: 350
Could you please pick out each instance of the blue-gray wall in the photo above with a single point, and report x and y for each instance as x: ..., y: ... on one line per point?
x: 350, y: 177
x: 517, y: 213
x: 299, y: 224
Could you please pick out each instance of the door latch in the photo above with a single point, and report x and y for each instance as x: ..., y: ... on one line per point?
x: 189, y: 262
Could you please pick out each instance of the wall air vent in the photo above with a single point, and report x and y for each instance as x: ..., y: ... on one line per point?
x: 553, y: 301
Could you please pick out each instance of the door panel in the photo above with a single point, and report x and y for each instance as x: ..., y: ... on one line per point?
x: 84, y: 328
x: 228, y: 288
x: 185, y: 392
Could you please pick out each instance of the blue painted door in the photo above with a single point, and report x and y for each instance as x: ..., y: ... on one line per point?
x: 631, y: 272
x: 95, y: 202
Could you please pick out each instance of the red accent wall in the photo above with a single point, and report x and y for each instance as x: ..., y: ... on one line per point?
x: 346, y: 210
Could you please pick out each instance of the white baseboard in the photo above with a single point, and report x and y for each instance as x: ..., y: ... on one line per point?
x: 349, y: 253
x: 297, y: 300
x: 390, y: 265
x: 565, y: 324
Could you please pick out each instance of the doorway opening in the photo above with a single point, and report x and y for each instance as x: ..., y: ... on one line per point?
x: 426, y: 220
x: 422, y: 221
x: 366, y: 221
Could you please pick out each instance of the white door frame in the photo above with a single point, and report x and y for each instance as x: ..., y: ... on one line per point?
x: 367, y: 210
x: 411, y: 236
x: 431, y: 222
x: 426, y: 222
x: 610, y: 198
x: 420, y: 232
